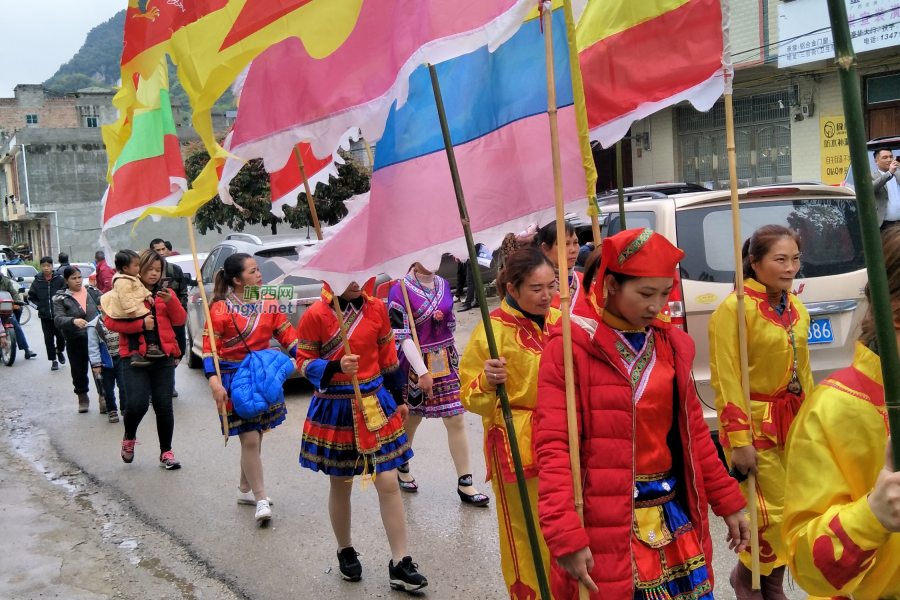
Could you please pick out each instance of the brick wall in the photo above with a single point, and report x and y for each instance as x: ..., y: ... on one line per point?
x: 54, y: 114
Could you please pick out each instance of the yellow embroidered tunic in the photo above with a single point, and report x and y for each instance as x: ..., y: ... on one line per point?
x: 520, y: 342
x: 770, y: 357
x: 836, y: 547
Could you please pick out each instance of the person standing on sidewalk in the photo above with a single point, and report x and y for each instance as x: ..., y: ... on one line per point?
x: 153, y: 383
x: 73, y: 308
x: 40, y: 293
x: 63, y: 263
x: 104, y: 272
x: 8, y: 285
x: 178, y: 284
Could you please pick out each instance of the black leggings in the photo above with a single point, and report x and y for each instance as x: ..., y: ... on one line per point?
x: 79, y: 364
x: 144, y: 385
x: 53, y: 339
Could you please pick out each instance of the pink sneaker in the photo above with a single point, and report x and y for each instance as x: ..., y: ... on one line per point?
x: 167, y: 461
x: 127, y: 453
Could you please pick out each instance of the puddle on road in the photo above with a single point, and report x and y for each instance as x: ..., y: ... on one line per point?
x: 184, y: 586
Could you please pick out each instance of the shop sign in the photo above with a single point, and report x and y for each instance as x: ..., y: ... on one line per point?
x: 804, y: 30
x: 835, y: 151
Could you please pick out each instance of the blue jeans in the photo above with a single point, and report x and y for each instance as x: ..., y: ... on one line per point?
x: 112, y: 376
x: 20, y: 335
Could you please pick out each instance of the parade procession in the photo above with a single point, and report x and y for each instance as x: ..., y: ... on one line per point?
x: 657, y: 393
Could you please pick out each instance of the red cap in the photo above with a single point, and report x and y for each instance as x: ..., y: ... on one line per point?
x: 640, y: 253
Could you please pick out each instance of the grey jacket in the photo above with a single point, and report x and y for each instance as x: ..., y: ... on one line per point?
x: 879, y: 182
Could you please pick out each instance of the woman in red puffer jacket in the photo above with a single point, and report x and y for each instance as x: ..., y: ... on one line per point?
x: 649, y: 467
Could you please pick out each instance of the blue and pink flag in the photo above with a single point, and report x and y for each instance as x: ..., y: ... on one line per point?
x: 496, y: 104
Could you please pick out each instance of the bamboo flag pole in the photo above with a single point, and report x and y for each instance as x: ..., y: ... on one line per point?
x: 564, y: 297
x: 409, y: 312
x: 209, y: 329
x: 742, y: 327
x: 868, y: 219
x: 492, y: 343
x: 621, y: 186
x: 587, y: 156
x: 309, y: 196
x: 346, y: 340
x: 369, y: 154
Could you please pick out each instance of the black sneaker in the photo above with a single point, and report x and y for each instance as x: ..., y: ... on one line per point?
x: 29, y: 354
x: 351, y: 569
x: 405, y: 576
x: 61, y: 357
x: 54, y: 366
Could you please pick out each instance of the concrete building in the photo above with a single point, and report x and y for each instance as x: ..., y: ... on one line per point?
x: 788, y: 111
x: 53, y: 166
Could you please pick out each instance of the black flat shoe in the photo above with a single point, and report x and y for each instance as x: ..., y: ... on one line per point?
x: 407, y: 486
x: 464, y: 308
x: 473, y: 499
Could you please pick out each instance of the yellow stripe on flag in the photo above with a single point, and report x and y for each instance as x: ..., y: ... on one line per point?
x: 604, y: 18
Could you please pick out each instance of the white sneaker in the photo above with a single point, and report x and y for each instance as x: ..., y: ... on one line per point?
x: 248, y: 499
x: 263, y: 512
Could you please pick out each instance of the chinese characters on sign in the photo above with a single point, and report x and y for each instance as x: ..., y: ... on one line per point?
x: 835, y: 151
x: 277, y: 292
x: 804, y: 32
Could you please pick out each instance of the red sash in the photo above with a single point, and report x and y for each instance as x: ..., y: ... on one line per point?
x: 784, y: 409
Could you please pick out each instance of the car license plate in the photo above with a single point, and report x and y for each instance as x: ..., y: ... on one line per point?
x: 820, y: 331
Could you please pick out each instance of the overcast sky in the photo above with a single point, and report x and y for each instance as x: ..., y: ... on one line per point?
x: 40, y: 35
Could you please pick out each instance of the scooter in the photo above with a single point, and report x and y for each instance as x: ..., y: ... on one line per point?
x: 7, y: 305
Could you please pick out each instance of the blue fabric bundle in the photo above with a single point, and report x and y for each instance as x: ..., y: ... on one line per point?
x: 258, y: 382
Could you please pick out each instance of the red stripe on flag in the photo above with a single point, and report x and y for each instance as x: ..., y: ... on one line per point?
x: 289, y: 178
x: 652, y: 61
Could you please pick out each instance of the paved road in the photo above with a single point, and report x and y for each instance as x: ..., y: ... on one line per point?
x: 456, y: 546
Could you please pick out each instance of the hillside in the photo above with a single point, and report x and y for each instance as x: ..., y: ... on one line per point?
x: 97, y: 63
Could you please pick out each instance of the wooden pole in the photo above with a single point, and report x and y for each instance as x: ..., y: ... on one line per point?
x: 369, y: 154
x: 868, y: 219
x: 309, y: 196
x: 621, y: 186
x: 209, y: 329
x: 346, y: 340
x: 742, y: 327
x: 409, y: 313
x: 530, y: 527
x: 564, y: 297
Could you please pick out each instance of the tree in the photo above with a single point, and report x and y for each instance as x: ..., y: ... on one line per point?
x: 250, y: 191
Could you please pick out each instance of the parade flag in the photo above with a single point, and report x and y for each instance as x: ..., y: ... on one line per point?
x: 640, y: 57
x: 496, y: 105
x: 148, y: 170
x: 292, y: 96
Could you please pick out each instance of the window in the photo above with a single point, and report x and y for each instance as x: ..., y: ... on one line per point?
x: 832, y: 243
x: 270, y: 271
x: 207, y: 270
x: 633, y: 220
x: 31, y: 119
x: 883, y: 89
x: 92, y: 122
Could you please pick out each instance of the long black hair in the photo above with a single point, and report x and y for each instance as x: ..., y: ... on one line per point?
x: 519, y: 265
x: 223, y: 282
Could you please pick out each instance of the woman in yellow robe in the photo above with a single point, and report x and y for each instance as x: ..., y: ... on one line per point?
x: 777, y: 332
x: 521, y: 327
x: 840, y: 526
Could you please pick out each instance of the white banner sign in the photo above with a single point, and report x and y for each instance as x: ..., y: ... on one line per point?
x: 804, y: 30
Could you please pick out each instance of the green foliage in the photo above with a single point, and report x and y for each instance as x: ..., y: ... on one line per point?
x: 98, y: 59
x: 65, y: 84
x: 250, y: 191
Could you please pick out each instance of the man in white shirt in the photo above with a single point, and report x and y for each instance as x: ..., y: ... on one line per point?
x: 886, y: 182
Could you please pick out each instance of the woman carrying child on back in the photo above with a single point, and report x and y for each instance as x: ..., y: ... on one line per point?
x: 126, y: 302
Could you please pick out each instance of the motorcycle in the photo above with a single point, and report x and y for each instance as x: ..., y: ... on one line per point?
x: 7, y: 306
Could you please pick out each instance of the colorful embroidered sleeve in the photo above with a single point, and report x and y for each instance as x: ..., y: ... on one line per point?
x: 309, y: 343
x: 397, y: 313
x: 475, y: 393
x: 725, y: 364
x: 387, y: 350
x: 834, y: 452
x: 285, y: 333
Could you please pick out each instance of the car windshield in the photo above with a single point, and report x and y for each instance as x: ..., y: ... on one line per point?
x: 828, y: 228
x: 271, y: 271
x: 21, y: 271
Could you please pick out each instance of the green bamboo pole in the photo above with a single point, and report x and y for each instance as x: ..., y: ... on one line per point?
x: 621, y: 186
x: 868, y: 219
x: 492, y: 343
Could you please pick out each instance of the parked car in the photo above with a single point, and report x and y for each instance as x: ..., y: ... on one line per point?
x: 891, y: 143
x: 186, y: 262
x: 23, y: 274
x: 306, y: 290
x: 831, y: 281
x: 87, y: 269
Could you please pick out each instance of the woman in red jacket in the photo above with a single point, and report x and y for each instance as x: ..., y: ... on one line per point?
x: 155, y: 383
x: 648, y: 463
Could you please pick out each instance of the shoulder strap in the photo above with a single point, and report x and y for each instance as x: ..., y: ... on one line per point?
x: 240, y: 334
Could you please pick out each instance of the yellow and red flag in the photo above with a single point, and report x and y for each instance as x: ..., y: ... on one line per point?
x: 638, y: 57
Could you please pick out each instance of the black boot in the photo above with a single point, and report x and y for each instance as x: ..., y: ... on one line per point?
x: 773, y: 585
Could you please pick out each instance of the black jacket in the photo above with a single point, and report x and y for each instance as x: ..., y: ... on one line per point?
x: 41, y: 292
x: 179, y: 283
x: 61, y: 268
x: 66, y: 309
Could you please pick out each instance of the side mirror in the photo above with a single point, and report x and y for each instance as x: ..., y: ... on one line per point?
x: 20, y: 279
x: 192, y: 282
